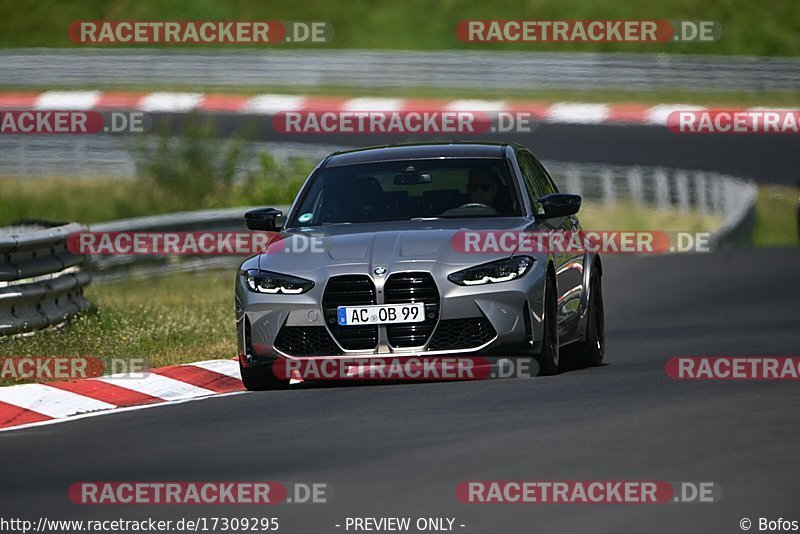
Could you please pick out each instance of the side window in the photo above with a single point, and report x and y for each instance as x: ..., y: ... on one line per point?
x: 529, y: 176
x: 540, y: 181
x: 543, y: 178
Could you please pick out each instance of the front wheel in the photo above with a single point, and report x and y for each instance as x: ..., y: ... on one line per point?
x: 261, y: 378
x: 590, y: 351
x: 547, y: 359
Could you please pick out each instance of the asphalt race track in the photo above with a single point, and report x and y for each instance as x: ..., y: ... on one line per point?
x: 401, y: 449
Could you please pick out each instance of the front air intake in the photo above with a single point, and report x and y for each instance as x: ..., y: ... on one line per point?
x: 350, y: 290
x: 402, y: 288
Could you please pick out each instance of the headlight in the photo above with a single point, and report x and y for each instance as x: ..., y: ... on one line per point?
x: 494, y: 272
x: 269, y: 282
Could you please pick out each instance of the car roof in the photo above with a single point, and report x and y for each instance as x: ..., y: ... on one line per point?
x: 416, y: 151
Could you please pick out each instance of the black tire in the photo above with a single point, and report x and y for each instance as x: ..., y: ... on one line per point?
x: 261, y: 378
x: 548, y: 358
x: 590, y: 351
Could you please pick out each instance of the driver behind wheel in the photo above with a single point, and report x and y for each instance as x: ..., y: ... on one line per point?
x: 483, y: 186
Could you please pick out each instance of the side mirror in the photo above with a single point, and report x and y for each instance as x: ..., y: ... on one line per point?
x: 263, y: 219
x: 559, y: 205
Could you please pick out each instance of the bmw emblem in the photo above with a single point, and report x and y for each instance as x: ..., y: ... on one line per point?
x: 380, y: 270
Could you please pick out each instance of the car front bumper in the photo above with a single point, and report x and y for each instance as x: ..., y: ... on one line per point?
x: 492, y: 320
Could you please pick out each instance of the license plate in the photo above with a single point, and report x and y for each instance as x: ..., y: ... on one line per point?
x: 381, y: 314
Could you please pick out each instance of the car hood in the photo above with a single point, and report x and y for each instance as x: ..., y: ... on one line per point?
x: 388, y: 244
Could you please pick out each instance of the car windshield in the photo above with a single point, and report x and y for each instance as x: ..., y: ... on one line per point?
x: 409, y: 189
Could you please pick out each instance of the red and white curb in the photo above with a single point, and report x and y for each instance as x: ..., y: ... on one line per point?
x: 272, y: 104
x: 35, y: 404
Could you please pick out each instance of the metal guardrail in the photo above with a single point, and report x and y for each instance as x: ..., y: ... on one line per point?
x: 707, y: 193
x: 116, y: 266
x: 364, y: 68
x: 105, y: 268
x: 41, y: 282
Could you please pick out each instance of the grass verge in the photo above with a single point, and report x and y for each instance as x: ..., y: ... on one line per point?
x: 624, y: 216
x: 166, y: 320
x: 750, y: 28
x: 777, y: 215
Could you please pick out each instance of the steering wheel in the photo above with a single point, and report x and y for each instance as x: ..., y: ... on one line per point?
x: 472, y: 205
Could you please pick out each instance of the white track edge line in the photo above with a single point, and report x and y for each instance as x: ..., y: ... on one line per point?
x: 118, y: 410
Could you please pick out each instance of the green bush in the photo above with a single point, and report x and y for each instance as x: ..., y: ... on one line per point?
x: 195, y: 170
x: 274, y: 182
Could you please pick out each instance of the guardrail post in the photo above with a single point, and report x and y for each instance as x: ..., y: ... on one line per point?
x: 737, y: 200
x: 662, y: 189
x: 682, y: 191
x: 701, y: 192
x: 716, y: 194
x: 573, y: 179
x: 635, y: 186
x: 609, y: 193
